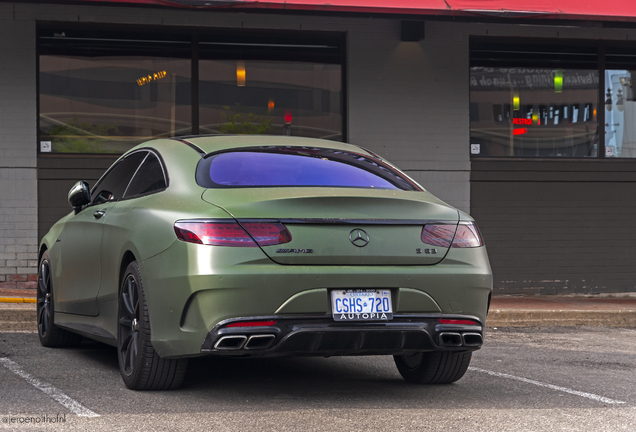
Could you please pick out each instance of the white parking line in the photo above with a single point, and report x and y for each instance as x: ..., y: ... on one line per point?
x: 550, y: 386
x: 73, y: 406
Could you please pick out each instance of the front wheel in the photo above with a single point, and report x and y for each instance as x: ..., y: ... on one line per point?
x: 437, y: 367
x: 50, y: 335
x: 140, y: 366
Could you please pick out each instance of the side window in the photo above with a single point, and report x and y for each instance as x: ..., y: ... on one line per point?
x: 113, y: 185
x: 149, y: 178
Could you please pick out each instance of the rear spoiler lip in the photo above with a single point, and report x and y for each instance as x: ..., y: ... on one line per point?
x: 343, y: 221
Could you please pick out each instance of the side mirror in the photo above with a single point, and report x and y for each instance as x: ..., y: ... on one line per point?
x: 79, y: 195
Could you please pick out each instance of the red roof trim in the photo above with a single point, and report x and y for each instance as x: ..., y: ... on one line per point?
x: 615, y: 10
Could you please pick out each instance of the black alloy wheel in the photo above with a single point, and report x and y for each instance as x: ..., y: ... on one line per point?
x: 140, y: 366
x: 50, y: 335
x: 128, y: 325
x: 436, y: 367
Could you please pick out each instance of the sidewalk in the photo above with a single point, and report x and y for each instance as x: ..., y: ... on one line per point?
x: 17, y: 310
x: 612, y: 310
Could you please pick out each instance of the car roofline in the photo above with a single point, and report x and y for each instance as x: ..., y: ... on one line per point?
x: 202, y: 153
x: 191, y: 145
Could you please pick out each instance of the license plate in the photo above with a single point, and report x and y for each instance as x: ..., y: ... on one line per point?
x: 361, y: 305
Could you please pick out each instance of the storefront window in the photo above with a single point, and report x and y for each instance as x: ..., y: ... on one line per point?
x: 105, y: 92
x: 106, y: 96
x: 525, y: 112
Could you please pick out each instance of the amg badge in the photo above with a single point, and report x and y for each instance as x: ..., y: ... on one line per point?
x: 294, y: 251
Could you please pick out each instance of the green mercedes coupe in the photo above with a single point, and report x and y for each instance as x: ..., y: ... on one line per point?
x: 263, y: 246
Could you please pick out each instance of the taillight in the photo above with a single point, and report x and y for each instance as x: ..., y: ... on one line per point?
x: 467, y: 236
x: 438, y: 235
x: 267, y: 234
x: 232, y: 234
x: 464, y: 235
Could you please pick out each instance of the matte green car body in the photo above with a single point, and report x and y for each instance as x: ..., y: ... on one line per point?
x: 191, y: 288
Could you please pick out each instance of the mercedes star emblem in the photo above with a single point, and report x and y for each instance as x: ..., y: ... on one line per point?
x: 359, y: 237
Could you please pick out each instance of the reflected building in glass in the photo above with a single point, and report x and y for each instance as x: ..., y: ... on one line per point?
x: 523, y: 112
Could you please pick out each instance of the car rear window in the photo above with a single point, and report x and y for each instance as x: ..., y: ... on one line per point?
x: 298, y: 167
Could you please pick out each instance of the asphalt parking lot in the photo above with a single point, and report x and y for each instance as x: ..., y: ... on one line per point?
x: 529, y: 379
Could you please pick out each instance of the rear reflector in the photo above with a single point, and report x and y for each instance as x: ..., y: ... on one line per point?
x: 252, y: 324
x: 456, y: 321
x: 464, y: 235
x: 231, y: 233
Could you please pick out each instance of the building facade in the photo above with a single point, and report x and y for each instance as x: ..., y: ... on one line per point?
x: 528, y: 124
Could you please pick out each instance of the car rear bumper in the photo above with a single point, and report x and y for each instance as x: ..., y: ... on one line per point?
x: 191, y: 290
x: 322, y: 336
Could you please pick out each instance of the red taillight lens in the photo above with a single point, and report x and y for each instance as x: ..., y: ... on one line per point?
x: 252, y: 324
x: 467, y: 236
x: 231, y: 233
x: 438, y: 235
x: 213, y: 233
x: 464, y: 235
x: 267, y: 234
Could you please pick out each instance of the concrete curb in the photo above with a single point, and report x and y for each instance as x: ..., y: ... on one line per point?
x: 17, y: 300
x: 18, y: 317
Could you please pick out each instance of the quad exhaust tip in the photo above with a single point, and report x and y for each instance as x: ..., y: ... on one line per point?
x: 472, y: 339
x: 260, y: 341
x: 237, y: 342
x: 230, y: 342
x: 451, y: 339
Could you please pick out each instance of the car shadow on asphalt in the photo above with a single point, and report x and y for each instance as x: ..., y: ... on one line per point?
x: 98, y: 352
x: 284, y: 382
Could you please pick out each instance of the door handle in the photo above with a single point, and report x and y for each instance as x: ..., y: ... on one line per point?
x: 99, y: 213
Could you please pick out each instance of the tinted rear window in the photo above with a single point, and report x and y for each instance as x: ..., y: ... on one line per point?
x: 298, y: 167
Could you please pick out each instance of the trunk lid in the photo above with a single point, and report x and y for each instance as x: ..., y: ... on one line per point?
x: 342, y: 226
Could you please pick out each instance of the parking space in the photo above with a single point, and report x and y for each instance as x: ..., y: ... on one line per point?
x: 523, y: 379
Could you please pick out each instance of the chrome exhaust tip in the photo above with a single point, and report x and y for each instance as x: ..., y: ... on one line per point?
x: 472, y: 339
x: 234, y: 342
x: 450, y: 339
x: 260, y: 341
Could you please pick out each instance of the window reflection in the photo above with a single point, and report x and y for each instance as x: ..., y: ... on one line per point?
x: 273, y: 98
x: 533, y: 112
x: 108, y: 104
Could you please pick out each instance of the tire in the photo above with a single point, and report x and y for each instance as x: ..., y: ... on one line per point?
x: 50, y: 335
x: 140, y: 366
x: 437, y: 367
